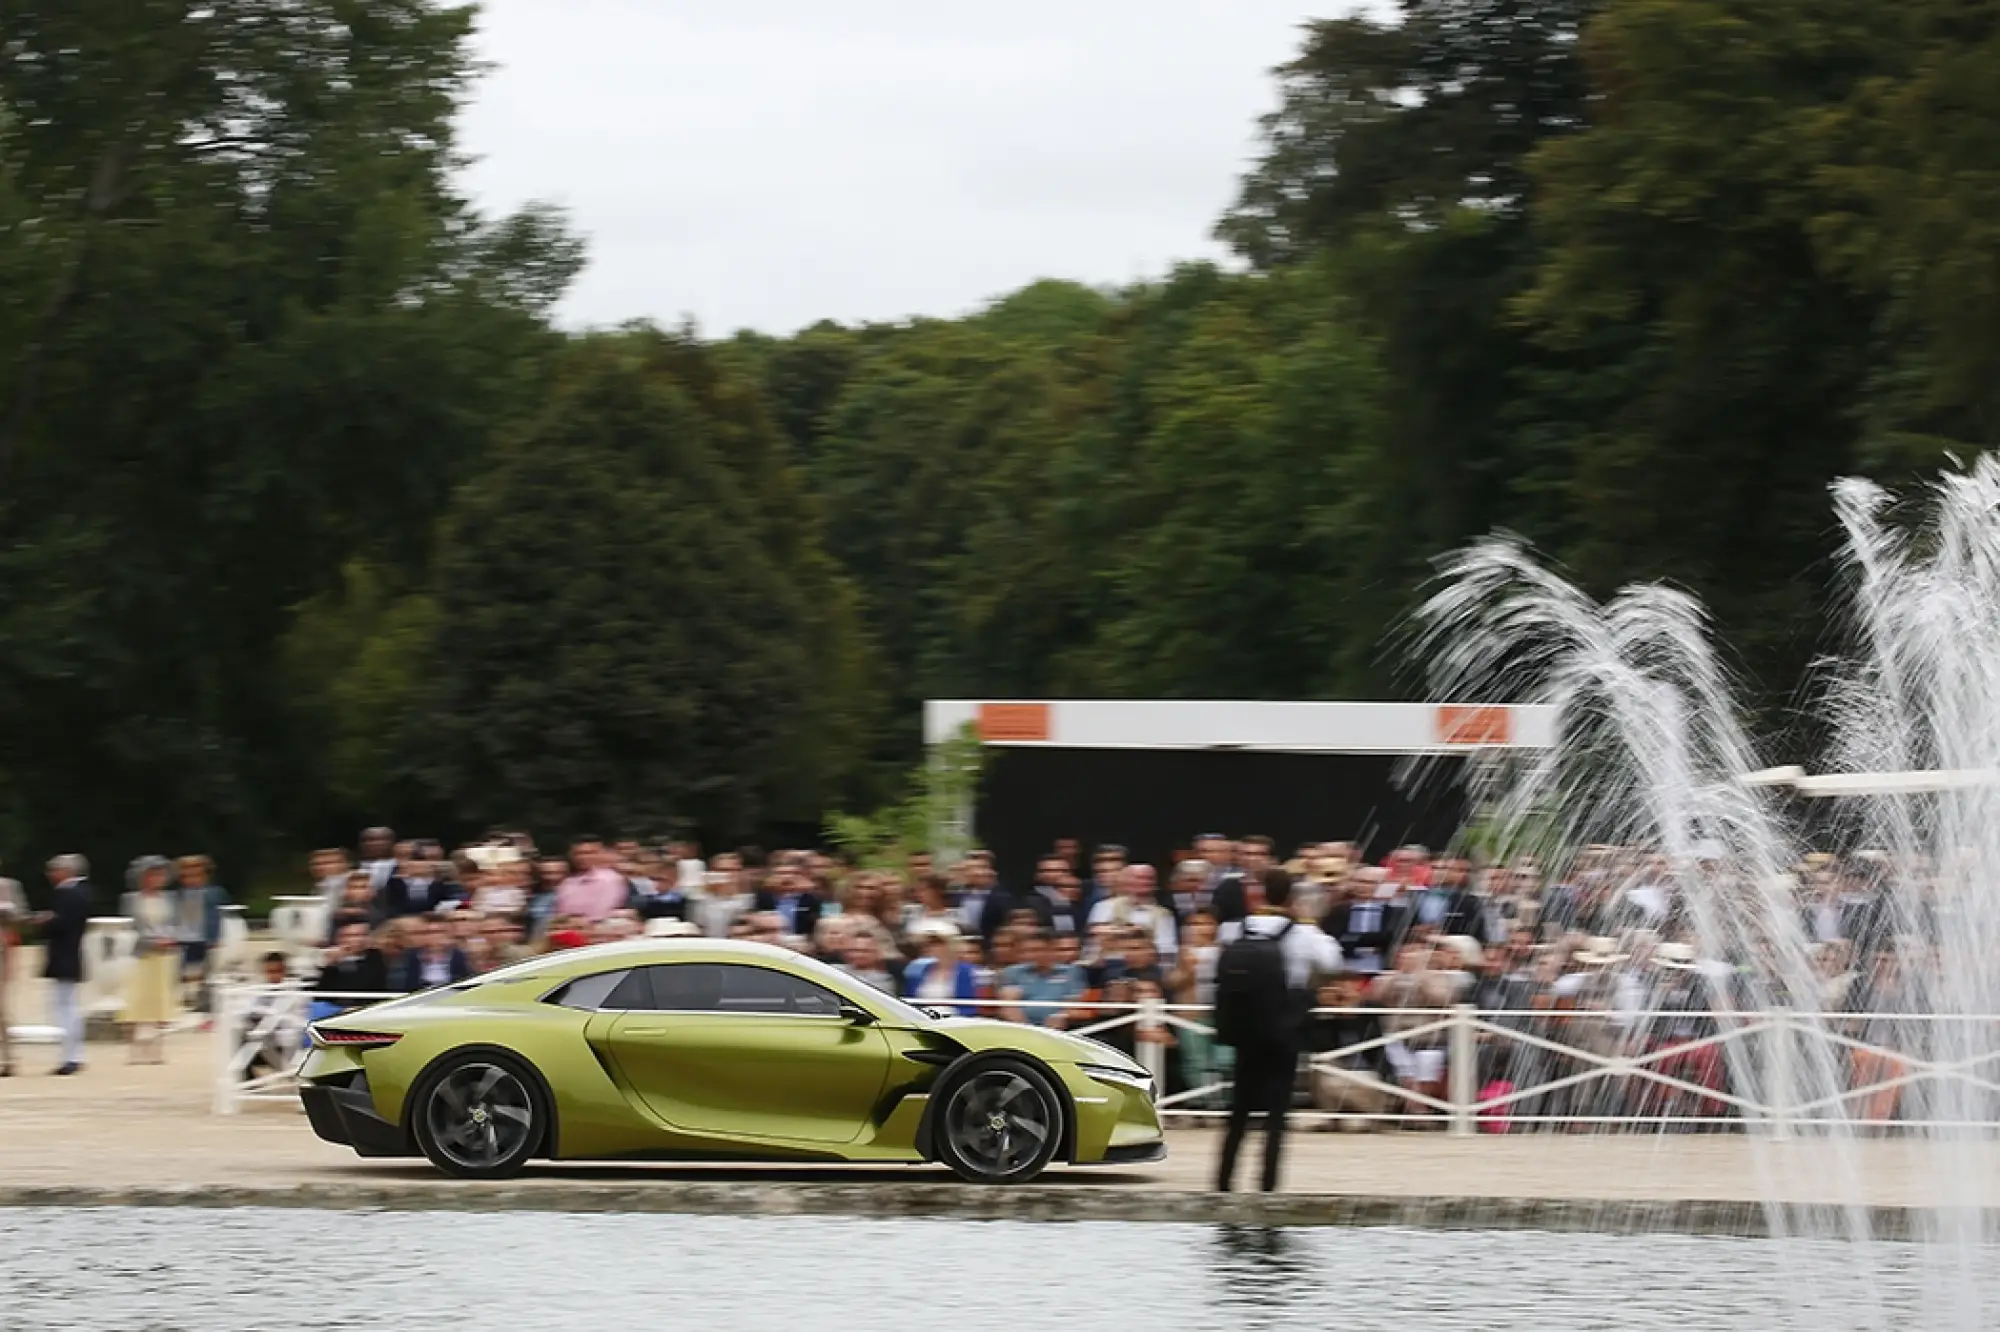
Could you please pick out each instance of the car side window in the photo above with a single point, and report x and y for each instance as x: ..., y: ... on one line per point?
x: 747, y: 989
x: 634, y: 990
x: 686, y: 987
x: 711, y: 987
x: 591, y: 992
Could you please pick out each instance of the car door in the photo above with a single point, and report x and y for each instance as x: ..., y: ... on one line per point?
x: 742, y: 1050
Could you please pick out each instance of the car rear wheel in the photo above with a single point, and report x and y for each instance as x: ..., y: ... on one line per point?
x: 478, y: 1115
x: 998, y: 1121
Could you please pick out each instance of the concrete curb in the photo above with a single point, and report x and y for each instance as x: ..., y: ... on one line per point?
x: 1030, y: 1203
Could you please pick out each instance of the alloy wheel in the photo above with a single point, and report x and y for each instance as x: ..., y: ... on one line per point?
x: 999, y: 1122
x: 479, y: 1116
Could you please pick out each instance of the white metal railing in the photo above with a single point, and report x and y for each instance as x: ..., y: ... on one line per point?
x: 1577, y: 1068
x: 266, y: 1025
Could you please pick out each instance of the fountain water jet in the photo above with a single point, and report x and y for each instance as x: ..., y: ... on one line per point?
x: 1653, y: 753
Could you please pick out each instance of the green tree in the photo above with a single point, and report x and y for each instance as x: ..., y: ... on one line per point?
x: 1238, y: 522
x: 355, y: 664
x: 637, y: 627
x: 1711, y: 366
x: 251, y: 334
x: 1400, y: 154
x: 932, y: 466
x: 1911, y: 213
x: 1412, y: 121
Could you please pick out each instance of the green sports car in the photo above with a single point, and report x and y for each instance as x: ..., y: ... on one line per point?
x: 704, y: 1050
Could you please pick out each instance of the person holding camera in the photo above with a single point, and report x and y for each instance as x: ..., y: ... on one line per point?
x: 1264, y: 983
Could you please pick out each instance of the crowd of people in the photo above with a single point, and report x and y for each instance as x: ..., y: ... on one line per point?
x: 1600, y: 957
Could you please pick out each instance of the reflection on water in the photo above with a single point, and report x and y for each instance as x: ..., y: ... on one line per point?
x: 211, y: 1271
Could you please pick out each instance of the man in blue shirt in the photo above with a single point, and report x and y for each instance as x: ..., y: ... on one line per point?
x: 1038, y: 978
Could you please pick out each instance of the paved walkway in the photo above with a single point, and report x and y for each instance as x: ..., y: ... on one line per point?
x: 145, y: 1133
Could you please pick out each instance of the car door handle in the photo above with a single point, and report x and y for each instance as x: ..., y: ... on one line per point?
x: 645, y: 1031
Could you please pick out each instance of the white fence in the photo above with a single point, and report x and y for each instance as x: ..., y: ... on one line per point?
x: 1774, y: 1073
x: 260, y: 1040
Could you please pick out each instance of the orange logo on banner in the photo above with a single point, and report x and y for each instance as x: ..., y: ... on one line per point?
x: 1474, y: 726
x: 1013, y: 721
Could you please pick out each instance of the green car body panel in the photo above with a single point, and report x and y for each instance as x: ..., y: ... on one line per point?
x: 616, y: 1082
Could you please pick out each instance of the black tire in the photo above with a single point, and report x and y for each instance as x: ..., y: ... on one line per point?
x: 479, y: 1114
x: 996, y: 1120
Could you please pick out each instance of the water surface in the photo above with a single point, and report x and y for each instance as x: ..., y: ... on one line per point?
x: 165, y: 1269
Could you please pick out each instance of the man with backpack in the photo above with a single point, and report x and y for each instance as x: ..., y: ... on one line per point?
x: 1264, y: 981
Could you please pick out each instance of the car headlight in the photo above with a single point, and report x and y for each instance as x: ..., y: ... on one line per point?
x: 1119, y: 1077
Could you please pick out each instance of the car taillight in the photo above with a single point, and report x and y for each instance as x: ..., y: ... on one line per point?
x: 354, y: 1040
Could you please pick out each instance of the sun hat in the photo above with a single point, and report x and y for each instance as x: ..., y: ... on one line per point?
x: 1600, y: 950
x: 1679, y: 956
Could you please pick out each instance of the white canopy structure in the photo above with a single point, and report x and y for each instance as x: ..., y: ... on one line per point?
x: 1262, y: 727
x: 1183, y: 730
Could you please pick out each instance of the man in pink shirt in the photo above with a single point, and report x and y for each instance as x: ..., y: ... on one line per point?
x: 593, y: 890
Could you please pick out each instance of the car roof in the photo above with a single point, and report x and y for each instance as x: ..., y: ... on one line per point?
x: 645, y: 952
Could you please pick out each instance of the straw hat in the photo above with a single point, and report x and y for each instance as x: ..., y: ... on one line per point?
x: 666, y: 927
x: 1600, y: 950
x: 1679, y: 956
x: 486, y: 857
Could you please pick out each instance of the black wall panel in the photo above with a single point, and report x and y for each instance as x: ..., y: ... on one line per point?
x: 1154, y: 801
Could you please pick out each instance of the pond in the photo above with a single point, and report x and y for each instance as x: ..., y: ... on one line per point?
x: 205, y: 1270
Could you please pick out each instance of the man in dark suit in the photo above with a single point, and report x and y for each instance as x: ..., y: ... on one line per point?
x: 1055, y: 909
x: 62, y: 939
x: 351, y: 966
x: 983, y: 905
x: 419, y: 884
x: 1450, y: 905
x: 1368, y: 928
x: 435, y: 960
x: 1227, y: 899
x: 788, y: 892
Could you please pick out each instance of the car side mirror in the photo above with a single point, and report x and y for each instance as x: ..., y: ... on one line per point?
x: 856, y: 1014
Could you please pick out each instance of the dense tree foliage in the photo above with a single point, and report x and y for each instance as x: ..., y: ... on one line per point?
x: 250, y: 334
x: 308, y: 513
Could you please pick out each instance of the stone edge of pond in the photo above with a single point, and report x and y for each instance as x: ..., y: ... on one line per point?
x: 1026, y: 1203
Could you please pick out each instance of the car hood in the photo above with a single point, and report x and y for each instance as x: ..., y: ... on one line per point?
x: 989, y: 1034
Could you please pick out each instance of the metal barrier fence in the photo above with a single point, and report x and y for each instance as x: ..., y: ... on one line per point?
x: 260, y: 1040
x: 1776, y: 1073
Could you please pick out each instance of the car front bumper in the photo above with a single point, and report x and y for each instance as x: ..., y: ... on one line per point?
x: 1138, y: 1153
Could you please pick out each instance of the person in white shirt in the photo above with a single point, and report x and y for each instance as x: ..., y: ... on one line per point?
x: 726, y: 896
x: 1137, y: 906
x: 691, y: 870
x: 1266, y: 1068
x: 1309, y: 953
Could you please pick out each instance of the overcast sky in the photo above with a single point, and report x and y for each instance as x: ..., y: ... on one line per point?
x: 768, y: 163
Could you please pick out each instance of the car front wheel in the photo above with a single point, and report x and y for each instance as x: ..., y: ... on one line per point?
x: 998, y: 1121
x: 478, y: 1116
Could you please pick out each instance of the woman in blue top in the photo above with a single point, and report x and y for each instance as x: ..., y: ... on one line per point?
x: 940, y: 975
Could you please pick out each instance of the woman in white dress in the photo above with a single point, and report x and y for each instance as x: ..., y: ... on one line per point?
x: 152, y: 990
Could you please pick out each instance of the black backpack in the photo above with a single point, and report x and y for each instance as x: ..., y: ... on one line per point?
x: 1254, y: 1003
